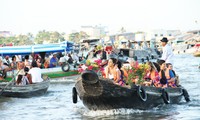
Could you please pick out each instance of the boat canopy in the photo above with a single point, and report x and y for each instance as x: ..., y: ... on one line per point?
x: 48, y: 48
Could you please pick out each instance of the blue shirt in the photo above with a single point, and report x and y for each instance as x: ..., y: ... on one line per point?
x: 53, y: 60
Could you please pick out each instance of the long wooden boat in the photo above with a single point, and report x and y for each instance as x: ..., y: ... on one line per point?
x: 24, y: 91
x: 100, y: 94
x: 56, y: 72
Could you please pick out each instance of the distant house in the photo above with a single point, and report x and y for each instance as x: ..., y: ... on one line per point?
x: 94, y: 31
x: 194, y: 32
x: 127, y: 36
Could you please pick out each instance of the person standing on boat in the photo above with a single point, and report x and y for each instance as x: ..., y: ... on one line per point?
x: 35, y: 73
x: 167, y: 54
x: 103, y: 54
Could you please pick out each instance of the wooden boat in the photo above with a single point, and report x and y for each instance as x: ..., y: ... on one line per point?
x: 197, y: 54
x: 197, y: 50
x: 140, y: 55
x: 57, y: 72
x: 24, y: 91
x: 100, y: 94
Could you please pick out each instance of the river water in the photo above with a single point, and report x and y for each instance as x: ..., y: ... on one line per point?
x: 57, y: 104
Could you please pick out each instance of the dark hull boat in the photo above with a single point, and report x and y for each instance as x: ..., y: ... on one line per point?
x: 24, y: 91
x: 100, y: 94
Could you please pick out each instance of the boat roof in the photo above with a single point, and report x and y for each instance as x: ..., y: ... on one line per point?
x: 48, y: 48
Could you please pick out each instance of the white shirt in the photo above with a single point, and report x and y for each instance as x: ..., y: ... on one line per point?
x: 62, y: 59
x: 35, y: 74
x: 75, y: 57
x: 167, y: 54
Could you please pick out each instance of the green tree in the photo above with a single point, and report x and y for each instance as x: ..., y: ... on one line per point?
x: 50, y: 37
x: 76, y: 37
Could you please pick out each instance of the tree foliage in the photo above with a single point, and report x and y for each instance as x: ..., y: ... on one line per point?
x: 17, y: 40
x: 40, y: 38
x: 76, y: 37
x: 48, y: 37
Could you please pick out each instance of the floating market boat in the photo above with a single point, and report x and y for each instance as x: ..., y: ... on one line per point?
x: 24, y: 91
x: 197, y: 50
x: 101, y: 94
x: 62, y: 71
x: 57, y: 72
x: 196, y: 54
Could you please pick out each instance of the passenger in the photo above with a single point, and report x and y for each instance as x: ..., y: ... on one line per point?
x: 170, y: 75
x: 19, y: 79
x: 39, y: 64
x: 27, y: 63
x: 120, y: 73
x: 20, y: 67
x: 24, y: 79
x: 103, y: 54
x: 27, y: 76
x: 53, y: 61
x: 70, y: 59
x: 62, y: 60
x: 35, y: 72
x: 13, y: 65
x: 75, y: 57
x: 132, y: 64
x: 95, y: 51
x: 7, y: 61
x: 112, y: 71
x: 163, y: 79
x: 3, y: 70
x: 3, y: 67
x: 153, y: 75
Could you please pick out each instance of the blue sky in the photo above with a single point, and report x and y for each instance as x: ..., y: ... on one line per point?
x: 23, y: 16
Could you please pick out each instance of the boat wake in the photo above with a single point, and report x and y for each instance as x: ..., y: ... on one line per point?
x: 121, y: 111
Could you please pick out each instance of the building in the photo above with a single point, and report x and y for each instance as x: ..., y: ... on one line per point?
x: 94, y: 32
x: 157, y: 35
